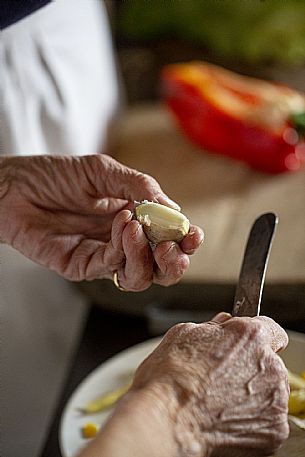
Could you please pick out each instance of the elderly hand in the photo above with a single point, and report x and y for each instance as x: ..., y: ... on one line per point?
x: 74, y: 215
x: 224, y: 389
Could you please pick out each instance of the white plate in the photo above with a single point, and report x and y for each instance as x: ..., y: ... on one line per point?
x: 110, y: 375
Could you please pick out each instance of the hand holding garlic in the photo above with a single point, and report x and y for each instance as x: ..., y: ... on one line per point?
x: 74, y: 215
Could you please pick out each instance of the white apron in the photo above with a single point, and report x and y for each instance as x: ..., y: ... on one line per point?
x: 59, y: 94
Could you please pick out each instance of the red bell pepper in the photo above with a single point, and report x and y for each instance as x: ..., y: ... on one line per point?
x: 261, y: 123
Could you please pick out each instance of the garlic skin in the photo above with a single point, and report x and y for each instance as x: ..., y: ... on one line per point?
x: 161, y: 223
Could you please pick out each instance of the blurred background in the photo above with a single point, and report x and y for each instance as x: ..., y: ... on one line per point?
x: 265, y: 39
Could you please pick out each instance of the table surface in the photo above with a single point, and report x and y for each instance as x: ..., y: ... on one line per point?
x: 105, y: 334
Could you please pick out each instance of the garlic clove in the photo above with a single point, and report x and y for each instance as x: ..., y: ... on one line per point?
x: 161, y: 223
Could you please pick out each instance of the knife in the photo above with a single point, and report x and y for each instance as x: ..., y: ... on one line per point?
x: 249, y: 289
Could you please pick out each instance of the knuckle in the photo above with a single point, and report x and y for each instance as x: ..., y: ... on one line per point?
x: 175, y: 270
x: 179, y: 329
x: 255, y: 330
x: 71, y: 271
x: 245, y: 326
x: 168, y: 282
x: 250, y: 330
x: 69, y: 276
x: 184, y: 264
x: 146, y: 181
x: 276, y: 367
x: 283, y: 431
x: 278, y: 435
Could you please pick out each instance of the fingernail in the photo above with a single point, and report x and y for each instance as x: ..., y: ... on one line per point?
x: 128, y: 215
x: 101, y: 203
x: 221, y: 318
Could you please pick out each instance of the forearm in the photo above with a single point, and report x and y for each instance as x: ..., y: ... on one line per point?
x: 139, y: 427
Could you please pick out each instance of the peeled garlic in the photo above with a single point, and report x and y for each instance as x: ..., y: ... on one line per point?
x: 161, y: 223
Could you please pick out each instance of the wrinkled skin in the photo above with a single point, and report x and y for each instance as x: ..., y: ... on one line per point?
x: 74, y: 215
x: 224, y: 386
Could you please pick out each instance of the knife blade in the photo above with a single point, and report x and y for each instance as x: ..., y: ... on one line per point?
x: 250, y: 285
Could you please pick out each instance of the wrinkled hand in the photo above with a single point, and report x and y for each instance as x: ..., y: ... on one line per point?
x: 74, y: 215
x: 224, y: 387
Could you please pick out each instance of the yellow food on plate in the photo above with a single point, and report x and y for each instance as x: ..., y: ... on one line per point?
x: 104, y: 401
x: 89, y: 430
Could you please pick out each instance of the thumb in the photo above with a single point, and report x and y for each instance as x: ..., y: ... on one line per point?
x: 114, y: 179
